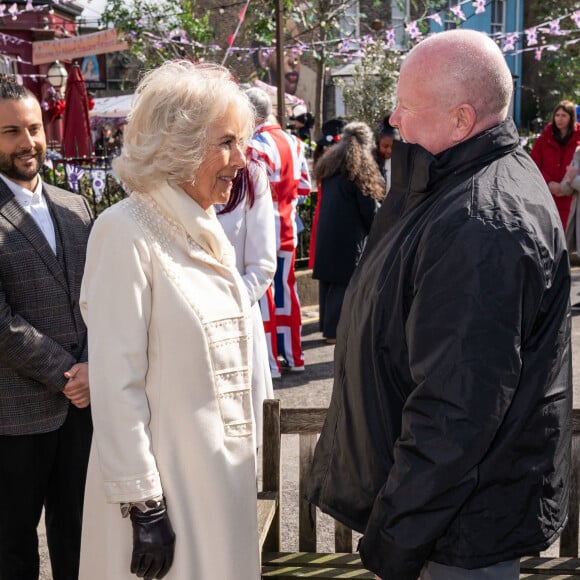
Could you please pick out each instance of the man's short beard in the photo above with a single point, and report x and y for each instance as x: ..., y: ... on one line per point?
x: 9, y: 169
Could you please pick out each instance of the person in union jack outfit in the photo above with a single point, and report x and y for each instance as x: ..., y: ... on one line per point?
x: 283, y: 156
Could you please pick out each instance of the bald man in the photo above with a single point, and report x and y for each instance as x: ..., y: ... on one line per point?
x: 447, y: 440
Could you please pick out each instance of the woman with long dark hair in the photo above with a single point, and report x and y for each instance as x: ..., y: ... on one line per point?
x: 553, y: 152
x: 352, y: 186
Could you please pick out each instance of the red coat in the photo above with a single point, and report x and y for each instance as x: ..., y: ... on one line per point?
x: 553, y: 159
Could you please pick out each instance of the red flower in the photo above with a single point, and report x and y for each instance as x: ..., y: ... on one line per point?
x: 53, y: 104
x: 56, y: 109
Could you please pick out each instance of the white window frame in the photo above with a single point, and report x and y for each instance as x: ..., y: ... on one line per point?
x: 450, y: 20
x: 498, y: 13
x: 8, y: 64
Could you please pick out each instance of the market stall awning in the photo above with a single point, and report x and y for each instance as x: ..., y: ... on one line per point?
x: 112, y: 107
x: 119, y: 107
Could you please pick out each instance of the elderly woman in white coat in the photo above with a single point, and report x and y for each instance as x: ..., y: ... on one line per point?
x: 169, y: 322
x: 248, y: 221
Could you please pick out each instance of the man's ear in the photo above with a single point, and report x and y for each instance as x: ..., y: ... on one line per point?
x: 464, y: 120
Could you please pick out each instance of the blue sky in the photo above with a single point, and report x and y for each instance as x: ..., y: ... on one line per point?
x: 92, y: 9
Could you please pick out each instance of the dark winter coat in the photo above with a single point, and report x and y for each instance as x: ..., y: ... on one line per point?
x: 448, y: 433
x: 344, y: 222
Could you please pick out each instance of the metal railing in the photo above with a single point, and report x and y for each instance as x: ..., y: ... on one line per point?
x: 94, y: 179
x: 91, y: 177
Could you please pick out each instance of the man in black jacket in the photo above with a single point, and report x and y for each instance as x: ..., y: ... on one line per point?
x: 447, y: 441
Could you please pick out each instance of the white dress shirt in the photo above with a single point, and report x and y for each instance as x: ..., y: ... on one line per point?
x: 34, y: 203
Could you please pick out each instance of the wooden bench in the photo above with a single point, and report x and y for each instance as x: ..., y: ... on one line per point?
x: 308, y: 562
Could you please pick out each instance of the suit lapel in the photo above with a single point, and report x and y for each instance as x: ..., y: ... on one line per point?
x: 25, y: 224
x: 71, y: 230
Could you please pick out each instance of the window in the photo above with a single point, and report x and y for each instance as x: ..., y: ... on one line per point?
x: 450, y: 18
x: 350, y: 18
x: 400, y: 12
x: 497, y: 17
x: 8, y: 64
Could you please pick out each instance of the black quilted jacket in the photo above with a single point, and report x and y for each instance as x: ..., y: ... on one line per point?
x: 448, y: 433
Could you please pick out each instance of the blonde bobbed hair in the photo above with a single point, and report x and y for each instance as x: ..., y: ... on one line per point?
x: 165, y: 139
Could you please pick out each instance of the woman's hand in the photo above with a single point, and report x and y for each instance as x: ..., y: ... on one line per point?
x: 153, y: 543
x: 554, y: 188
x: 571, y: 173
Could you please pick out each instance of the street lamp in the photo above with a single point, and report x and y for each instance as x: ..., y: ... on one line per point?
x: 57, y: 76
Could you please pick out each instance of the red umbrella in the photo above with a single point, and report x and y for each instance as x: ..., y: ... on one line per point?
x: 77, y: 140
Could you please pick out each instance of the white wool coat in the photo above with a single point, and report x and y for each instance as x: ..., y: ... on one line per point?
x: 169, y: 324
x: 252, y: 232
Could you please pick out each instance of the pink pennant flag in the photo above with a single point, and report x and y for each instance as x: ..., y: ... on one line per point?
x: 231, y: 39
x: 531, y: 36
x: 480, y: 6
x: 437, y: 17
x: 458, y: 12
x: 510, y: 41
x: 413, y: 30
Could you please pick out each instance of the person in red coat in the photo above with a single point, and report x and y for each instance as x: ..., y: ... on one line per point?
x: 553, y: 152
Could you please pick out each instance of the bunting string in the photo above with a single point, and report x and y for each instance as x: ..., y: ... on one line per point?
x: 552, y: 35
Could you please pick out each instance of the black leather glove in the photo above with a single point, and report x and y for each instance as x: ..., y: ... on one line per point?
x: 153, y: 543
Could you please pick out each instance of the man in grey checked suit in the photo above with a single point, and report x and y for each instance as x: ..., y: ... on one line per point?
x: 45, y: 423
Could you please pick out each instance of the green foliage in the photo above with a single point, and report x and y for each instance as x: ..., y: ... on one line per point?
x: 555, y: 76
x: 371, y: 91
x: 159, y: 31
x: 113, y: 192
x: 562, y: 74
x: 559, y: 68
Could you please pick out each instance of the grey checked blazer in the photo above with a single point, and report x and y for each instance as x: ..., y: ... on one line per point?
x: 42, y: 333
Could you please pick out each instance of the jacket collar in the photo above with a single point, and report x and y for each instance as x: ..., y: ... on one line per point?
x: 11, y: 210
x: 201, y: 226
x: 267, y: 127
x: 417, y: 173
